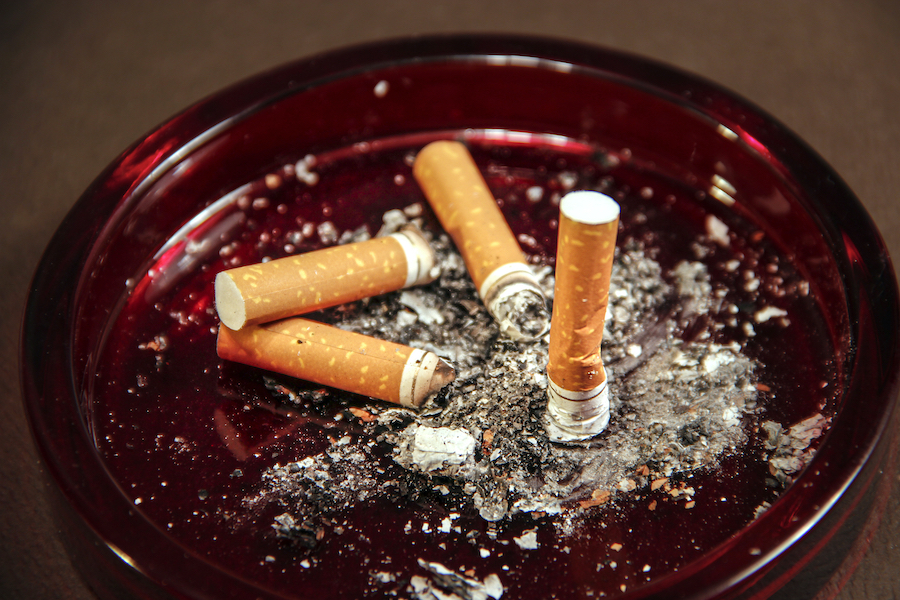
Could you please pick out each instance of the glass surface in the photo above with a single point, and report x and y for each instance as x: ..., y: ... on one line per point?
x: 144, y: 429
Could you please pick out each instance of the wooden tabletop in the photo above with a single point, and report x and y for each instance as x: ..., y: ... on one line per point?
x: 81, y: 80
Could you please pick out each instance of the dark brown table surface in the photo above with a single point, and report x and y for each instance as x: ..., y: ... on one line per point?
x: 81, y: 80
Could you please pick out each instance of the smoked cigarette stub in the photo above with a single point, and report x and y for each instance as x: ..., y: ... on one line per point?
x: 346, y: 360
x: 468, y: 212
x: 578, y: 395
x: 299, y: 284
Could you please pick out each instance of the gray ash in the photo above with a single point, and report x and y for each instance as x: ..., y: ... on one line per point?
x: 676, y: 406
x: 789, y: 450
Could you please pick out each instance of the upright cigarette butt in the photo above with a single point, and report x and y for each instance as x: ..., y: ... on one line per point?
x: 299, y: 284
x: 342, y: 359
x: 467, y: 210
x: 578, y: 396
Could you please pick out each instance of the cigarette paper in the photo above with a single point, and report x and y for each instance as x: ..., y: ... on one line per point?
x: 578, y: 395
x: 307, y: 282
x: 349, y: 361
x: 467, y: 210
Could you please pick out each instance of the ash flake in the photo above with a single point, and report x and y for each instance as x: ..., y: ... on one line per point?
x: 435, y: 447
x: 445, y: 584
x: 328, y: 233
x: 731, y: 417
x: 718, y: 357
x: 406, y: 318
x: 384, y: 577
x: 528, y: 540
x: 717, y: 231
x: 534, y: 194
x: 768, y: 312
x: 415, y: 300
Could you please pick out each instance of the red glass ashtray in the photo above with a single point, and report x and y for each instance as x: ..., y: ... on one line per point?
x: 158, y: 452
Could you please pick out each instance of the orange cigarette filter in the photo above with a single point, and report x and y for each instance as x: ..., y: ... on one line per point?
x: 578, y: 395
x: 349, y: 361
x: 468, y: 212
x: 307, y: 282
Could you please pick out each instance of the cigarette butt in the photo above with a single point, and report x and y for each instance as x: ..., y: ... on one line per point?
x: 349, y: 361
x: 578, y: 395
x: 467, y: 210
x: 307, y: 282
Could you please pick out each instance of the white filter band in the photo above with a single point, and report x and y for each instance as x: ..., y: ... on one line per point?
x: 487, y: 286
x: 419, y: 258
x: 576, y: 415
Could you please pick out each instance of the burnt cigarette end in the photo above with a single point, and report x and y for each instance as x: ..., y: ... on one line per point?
x: 443, y: 375
x: 424, y: 375
x: 578, y: 394
x: 517, y: 303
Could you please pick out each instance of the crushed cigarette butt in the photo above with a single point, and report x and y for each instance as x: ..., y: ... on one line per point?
x: 468, y: 212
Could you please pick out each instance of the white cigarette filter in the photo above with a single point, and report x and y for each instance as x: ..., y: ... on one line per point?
x: 578, y: 394
x: 303, y: 283
x: 468, y: 212
x: 345, y: 360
